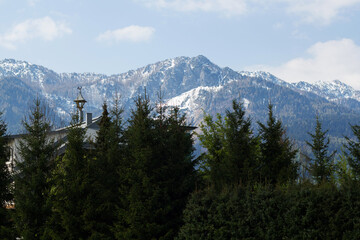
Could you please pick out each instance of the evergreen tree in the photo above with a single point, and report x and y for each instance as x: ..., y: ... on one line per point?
x: 343, y: 172
x: 232, y: 150
x: 212, y: 138
x: 159, y: 174
x: 353, y: 146
x: 5, y: 185
x: 277, y: 154
x: 176, y: 172
x: 5, y: 178
x: 137, y: 215
x: 242, y: 148
x: 104, y: 197
x: 321, y: 166
x: 32, y: 185
x: 71, y: 188
x: 102, y: 142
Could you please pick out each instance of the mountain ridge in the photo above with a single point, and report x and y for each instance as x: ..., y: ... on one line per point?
x: 194, y: 83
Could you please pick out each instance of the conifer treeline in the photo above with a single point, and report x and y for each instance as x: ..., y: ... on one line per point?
x: 132, y: 182
x: 138, y: 180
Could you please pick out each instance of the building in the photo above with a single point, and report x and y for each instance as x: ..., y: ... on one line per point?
x: 59, y: 136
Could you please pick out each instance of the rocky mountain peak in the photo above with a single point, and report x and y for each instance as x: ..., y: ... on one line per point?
x: 194, y: 84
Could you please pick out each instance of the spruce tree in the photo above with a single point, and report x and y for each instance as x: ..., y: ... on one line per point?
x: 353, y: 147
x: 277, y: 153
x: 5, y: 185
x: 5, y: 178
x: 212, y: 161
x: 242, y: 148
x: 176, y: 172
x: 343, y: 172
x: 321, y: 165
x: 159, y: 177
x: 137, y: 215
x: 104, y: 197
x: 34, y: 168
x: 232, y: 150
x: 71, y: 188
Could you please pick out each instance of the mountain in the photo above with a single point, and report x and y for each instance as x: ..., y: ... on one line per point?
x: 195, y: 84
x: 334, y: 91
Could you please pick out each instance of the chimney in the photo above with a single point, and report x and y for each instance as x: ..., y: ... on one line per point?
x: 88, y: 119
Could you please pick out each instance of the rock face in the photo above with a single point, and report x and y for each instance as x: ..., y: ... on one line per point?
x: 194, y: 84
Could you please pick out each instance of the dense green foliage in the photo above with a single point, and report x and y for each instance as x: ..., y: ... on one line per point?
x: 277, y: 152
x: 294, y: 212
x: 6, y: 224
x: 138, y: 180
x: 353, y: 146
x: 34, y: 168
x: 104, y: 179
x: 5, y: 178
x: 322, y: 164
x: 70, y: 188
x: 160, y: 174
x: 232, y: 150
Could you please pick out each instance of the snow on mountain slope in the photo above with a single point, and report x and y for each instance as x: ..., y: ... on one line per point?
x: 266, y: 76
x: 335, y: 90
x: 192, y: 101
x: 194, y: 84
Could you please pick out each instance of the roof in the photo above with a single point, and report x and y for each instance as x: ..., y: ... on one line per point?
x: 93, y: 125
x: 80, y: 98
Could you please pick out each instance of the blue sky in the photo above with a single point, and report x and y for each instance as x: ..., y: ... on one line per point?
x: 296, y: 40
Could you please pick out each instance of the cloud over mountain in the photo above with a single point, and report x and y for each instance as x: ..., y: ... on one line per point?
x: 310, y: 11
x: 131, y: 33
x: 326, y: 61
x: 41, y: 28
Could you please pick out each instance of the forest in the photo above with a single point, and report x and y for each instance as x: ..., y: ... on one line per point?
x: 140, y: 179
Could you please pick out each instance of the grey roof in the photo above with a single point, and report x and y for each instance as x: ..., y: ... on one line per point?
x: 93, y: 125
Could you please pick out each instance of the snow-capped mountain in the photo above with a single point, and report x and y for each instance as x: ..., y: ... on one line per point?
x: 195, y: 84
x: 266, y: 76
x: 333, y: 91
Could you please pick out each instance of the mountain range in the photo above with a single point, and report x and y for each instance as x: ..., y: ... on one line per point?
x: 194, y: 84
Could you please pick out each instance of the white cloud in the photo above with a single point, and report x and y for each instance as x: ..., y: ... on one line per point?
x: 318, y: 11
x: 327, y: 61
x: 131, y: 33
x: 310, y: 11
x: 226, y: 7
x: 42, y: 28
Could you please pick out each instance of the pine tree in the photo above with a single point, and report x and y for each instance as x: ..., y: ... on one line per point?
x: 32, y: 185
x: 353, y: 146
x: 212, y: 162
x: 232, y: 150
x: 137, y: 215
x: 71, y: 188
x: 5, y: 178
x: 242, y: 148
x: 343, y: 172
x: 159, y: 175
x: 5, y: 185
x: 277, y: 154
x: 176, y: 172
x: 103, y: 199
x: 102, y: 142
x: 321, y: 166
